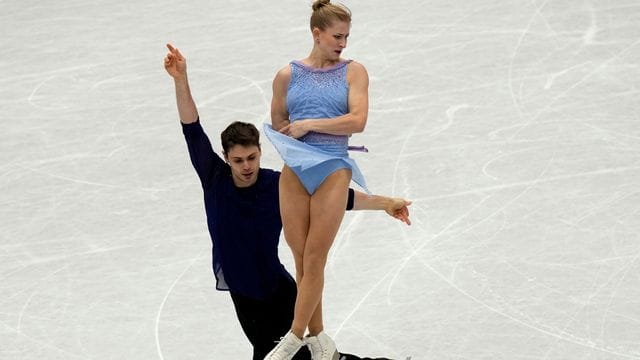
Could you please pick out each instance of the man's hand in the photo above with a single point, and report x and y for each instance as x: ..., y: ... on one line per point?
x: 395, y: 207
x: 175, y: 63
x: 398, y: 208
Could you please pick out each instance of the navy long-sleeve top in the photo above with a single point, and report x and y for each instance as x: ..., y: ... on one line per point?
x: 244, y: 223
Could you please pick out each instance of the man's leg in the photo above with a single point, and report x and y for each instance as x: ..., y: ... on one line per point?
x: 248, y: 312
x: 281, y: 315
x: 264, y: 322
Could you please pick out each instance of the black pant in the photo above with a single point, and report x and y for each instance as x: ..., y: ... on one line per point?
x: 265, y: 321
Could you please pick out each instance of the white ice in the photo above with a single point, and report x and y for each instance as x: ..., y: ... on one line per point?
x: 514, y: 126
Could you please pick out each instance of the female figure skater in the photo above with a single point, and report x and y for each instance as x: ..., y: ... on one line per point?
x: 317, y: 103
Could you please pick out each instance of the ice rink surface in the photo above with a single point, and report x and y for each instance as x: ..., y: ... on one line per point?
x: 514, y: 126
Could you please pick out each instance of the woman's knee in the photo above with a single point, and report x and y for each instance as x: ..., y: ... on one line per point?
x: 315, y: 259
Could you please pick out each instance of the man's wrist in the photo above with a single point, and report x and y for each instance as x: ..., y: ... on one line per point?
x: 386, y: 203
x: 180, y: 79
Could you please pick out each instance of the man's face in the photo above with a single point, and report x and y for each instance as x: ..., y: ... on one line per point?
x: 244, y: 162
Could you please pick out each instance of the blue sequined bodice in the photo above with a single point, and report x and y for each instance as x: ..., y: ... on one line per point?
x: 317, y: 94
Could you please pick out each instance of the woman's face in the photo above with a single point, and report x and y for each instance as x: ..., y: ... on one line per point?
x: 333, y: 39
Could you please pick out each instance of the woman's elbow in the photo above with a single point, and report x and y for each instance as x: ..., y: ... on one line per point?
x: 278, y: 122
x: 360, y: 124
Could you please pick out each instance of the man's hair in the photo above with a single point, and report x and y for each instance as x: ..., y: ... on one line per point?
x: 239, y: 133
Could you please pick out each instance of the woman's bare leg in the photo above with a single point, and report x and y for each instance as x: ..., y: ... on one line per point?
x: 316, y: 324
x: 294, y: 211
x: 326, y: 210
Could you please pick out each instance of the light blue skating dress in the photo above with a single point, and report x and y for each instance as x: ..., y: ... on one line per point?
x: 316, y: 94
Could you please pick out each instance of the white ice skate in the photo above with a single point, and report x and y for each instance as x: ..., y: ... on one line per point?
x: 322, y: 347
x: 286, y: 348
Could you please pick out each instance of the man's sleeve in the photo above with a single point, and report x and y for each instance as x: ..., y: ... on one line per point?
x: 350, y: 199
x: 205, y: 161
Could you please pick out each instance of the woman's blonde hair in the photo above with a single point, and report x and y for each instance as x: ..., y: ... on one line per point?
x: 325, y: 14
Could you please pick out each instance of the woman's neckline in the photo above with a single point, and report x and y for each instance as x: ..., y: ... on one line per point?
x: 339, y: 64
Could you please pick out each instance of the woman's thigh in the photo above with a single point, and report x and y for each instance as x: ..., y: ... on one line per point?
x: 294, y: 210
x: 327, y: 208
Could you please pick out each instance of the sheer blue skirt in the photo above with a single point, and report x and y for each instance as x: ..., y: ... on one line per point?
x: 313, y: 163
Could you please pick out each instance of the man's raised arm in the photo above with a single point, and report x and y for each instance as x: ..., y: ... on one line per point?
x: 176, y: 66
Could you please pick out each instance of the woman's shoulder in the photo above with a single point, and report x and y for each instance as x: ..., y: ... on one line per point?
x: 284, y: 73
x: 356, y: 70
x: 356, y: 66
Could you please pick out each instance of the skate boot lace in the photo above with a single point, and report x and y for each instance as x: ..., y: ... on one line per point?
x: 287, y: 347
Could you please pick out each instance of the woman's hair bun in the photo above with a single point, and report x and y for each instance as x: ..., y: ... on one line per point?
x: 319, y: 4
